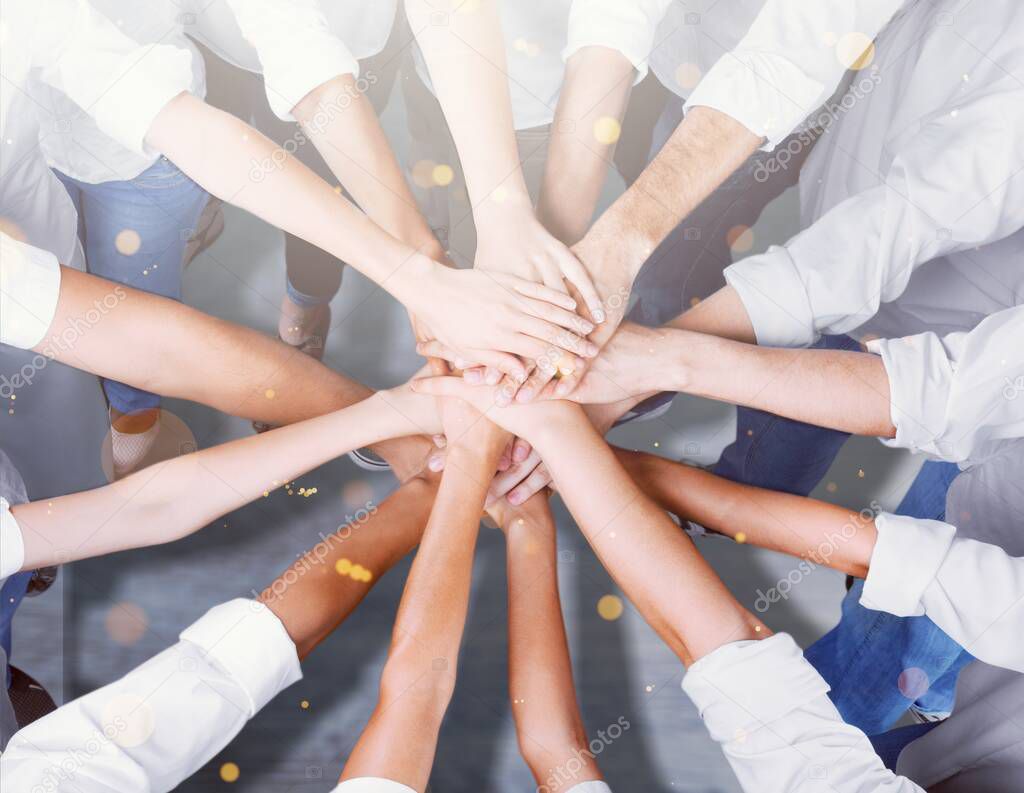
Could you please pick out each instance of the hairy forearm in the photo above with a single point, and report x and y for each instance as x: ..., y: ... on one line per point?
x: 343, y: 125
x: 841, y: 389
x: 218, y: 151
x: 324, y: 586
x: 653, y: 562
x: 548, y: 721
x: 819, y: 532
x: 175, y: 498
x: 584, y: 134
x: 705, y: 149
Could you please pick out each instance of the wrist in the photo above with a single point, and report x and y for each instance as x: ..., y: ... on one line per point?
x: 413, y: 285
x: 502, y: 208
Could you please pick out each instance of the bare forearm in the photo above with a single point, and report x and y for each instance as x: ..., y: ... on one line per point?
x: 841, y: 389
x: 314, y: 595
x: 343, y: 125
x: 653, y: 562
x: 218, y: 150
x: 705, y: 149
x: 585, y: 131
x: 172, y: 499
x: 819, y: 532
x: 548, y: 722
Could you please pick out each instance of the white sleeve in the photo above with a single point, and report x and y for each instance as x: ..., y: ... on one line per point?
x: 123, y: 85
x: 627, y: 26
x: 786, y: 66
x: 958, y: 183
x: 951, y: 394
x: 770, y: 711
x: 371, y: 784
x: 974, y: 591
x: 297, y: 50
x: 161, y: 722
x: 29, y: 291
x: 12, y: 545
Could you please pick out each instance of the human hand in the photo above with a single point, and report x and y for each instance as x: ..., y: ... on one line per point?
x: 476, y: 317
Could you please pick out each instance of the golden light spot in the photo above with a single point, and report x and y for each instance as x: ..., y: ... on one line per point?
x: 648, y: 688
x: 442, y: 175
x: 423, y: 173
x: 127, y: 242
x: 230, y: 772
x: 270, y: 393
x: 694, y: 301
x: 132, y: 718
x: 310, y: 492
x: 520, y: 44
x: 740, y: 239
x: 337, y: 189
x: 126, y: 623
x: 741, y: 537
x: 855, y: 51
x: 688, y: 75
x: 757, y: 629
x: 356, y: 494
x: 656, y: 444
x: 343, y: 566
x: 304, y: 704
x: 500, y: 195
x: 607, y: 130
x: 750, y: 433
x: 860, y: 473
x: 610, y: 607
x: 831, y: 487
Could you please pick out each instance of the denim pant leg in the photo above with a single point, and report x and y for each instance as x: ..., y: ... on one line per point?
x: 779, y: 453
x: 134, y: 232
x: 878, y: 665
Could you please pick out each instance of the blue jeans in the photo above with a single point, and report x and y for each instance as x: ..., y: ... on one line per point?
x: 878, y: 665
x: 134, y: 232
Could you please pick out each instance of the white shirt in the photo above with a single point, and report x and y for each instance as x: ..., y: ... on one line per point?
x: 297, y: 51
x: 958, y: 397
x: 12, y: 546
x: 769, y: 709
x: 539, y: 36
x: 29, y: 291
x: 927, y: 167
x: 164, y: 720
x: 65, y: 44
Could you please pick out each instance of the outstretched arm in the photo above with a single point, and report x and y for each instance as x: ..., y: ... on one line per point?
x: 548, y: 721
x: 418, y: 679
x: 172, y: 499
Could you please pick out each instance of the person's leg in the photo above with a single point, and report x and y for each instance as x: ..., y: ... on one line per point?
x: 879, y: 665
x: 888, y: 745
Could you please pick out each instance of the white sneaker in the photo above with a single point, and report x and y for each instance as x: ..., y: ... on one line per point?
x: 130, y: 451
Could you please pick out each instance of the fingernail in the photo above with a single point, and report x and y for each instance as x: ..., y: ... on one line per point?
x: 502, y: 398
x: 435, y: 463
x: 472, y: 376
x: 524, y: 395
x: 591, y: 350
x: 514, y: 497
x: 586, y: 327
x: 494, y: 377
x: 598, y: 314
x: 520, y: 454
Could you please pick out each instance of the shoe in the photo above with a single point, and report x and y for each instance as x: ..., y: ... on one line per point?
x: 208, y: 229
x: 130, y: 451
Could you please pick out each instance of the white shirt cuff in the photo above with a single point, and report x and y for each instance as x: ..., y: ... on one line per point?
x: 12, y: 545
x: 372, y: 784
x: 907, y: 556
x: 765, y: 92
x: 919, y: 380
x: 289, y: 79
x: 775, y: 298
x: 743, y: 686
x: 29, y: 291
x: 247, y: 640
x: 593, y: 786
x: 147, y: 83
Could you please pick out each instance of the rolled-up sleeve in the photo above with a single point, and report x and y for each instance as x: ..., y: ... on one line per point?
x: 160, y: 723
x: 956, y: 184
x: 29, y: 291
x: 972, y: 590
x: 296, y: 47
x: 769, y: 709
x: 786, y: 66
x: 951, y: 395
x: 123, y: 85
x: 627, y: 26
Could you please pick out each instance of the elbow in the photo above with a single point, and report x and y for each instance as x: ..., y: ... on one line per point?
x: 424, y: 685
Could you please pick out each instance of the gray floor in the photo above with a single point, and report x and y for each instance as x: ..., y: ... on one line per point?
x: 63, y: 637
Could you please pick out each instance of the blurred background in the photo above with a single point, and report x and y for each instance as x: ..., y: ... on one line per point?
x: 107, y: 615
